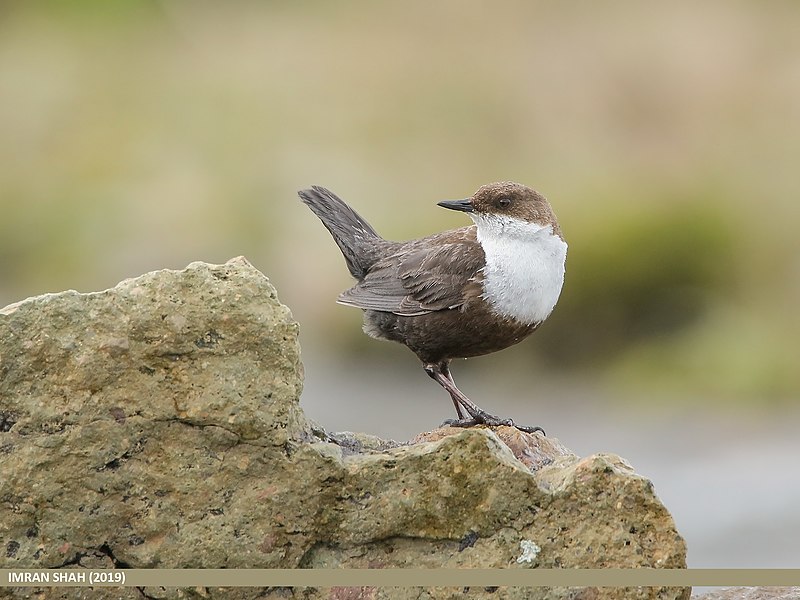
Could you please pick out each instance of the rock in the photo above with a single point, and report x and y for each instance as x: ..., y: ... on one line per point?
x: 534, y: 451
x: 157, y: 425
x: 753, y: 593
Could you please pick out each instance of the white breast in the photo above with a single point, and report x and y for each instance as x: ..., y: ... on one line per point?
x: 524, y: 269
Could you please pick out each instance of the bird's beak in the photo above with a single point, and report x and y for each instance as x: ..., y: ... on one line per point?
x: 462, y: 205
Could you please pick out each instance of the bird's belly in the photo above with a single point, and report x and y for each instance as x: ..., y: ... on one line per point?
x: 447, y: 334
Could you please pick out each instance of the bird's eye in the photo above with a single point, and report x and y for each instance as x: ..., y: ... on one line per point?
x: 504, y: 202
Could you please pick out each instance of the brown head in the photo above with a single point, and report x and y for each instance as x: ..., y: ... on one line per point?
x: 507, y: 202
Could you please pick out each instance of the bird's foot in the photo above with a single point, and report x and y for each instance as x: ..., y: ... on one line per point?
x: 484, y: 418
x: 459, y: 423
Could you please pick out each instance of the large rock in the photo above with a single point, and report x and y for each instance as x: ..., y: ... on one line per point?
x: 157, y: 425
x: 752, y: 593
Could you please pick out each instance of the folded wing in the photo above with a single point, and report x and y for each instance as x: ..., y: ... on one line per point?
x: 440, y: 272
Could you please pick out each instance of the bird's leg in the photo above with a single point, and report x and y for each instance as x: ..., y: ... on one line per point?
x: 440, y: 373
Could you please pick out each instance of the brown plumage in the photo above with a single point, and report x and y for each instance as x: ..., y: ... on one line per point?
x: 432, y: 294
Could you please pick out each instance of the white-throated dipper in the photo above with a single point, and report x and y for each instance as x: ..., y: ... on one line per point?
x: 460, y: 293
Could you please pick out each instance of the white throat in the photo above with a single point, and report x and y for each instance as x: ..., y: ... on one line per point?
x: 524, y: 269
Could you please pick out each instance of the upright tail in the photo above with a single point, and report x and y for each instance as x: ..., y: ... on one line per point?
x: 359, y: 242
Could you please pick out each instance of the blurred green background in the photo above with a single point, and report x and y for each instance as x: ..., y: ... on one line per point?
x: 142, y: 135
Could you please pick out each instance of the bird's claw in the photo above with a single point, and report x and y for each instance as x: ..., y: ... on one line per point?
x: 530, y: 429
x: 491, y: 421
x: 460, y: 423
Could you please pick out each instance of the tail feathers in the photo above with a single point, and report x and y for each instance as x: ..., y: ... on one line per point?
x: 355, y: 237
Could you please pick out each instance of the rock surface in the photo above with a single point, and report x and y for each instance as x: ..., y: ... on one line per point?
x: 157, y: 425
x: 753, y: 593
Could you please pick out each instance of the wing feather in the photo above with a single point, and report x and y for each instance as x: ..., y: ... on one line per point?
x: 436, y: 273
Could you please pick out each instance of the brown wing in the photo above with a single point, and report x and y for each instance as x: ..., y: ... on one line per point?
x: 434, y: 273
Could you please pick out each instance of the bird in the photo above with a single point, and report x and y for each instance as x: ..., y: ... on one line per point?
x: 459, y: 293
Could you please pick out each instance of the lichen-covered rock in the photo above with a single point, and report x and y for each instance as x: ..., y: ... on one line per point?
x: 157, y: 425
x: 134, y: 416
